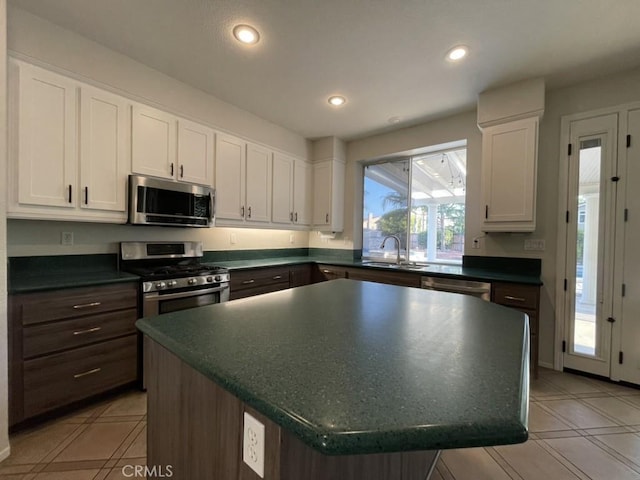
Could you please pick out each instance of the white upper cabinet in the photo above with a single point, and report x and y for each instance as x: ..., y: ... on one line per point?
x: 509, y: 162
x: 282, y: 189
x: 292, y: 183
x: 50, y: 116
x: 169, y: 147
x: 328, y: 195
x: 104, y: 156
x: 195, y: 153
x: 302, y: 194
x: 242, y: 182
x: 153, y: 151
x: 258, y: 184
x: 47, y: 138
x: 229, y: 177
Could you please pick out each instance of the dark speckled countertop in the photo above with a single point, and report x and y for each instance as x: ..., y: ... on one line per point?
x: 357, y: 367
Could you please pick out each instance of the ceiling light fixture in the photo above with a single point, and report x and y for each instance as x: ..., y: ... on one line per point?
x: 337, y: 100
x: 457, y: 53
x: 246, y: 34
x: 394, y: 120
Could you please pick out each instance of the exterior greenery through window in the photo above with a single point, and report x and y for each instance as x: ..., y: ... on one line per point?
x: 419, y: 198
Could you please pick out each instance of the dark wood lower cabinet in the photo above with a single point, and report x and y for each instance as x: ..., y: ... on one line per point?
x: 69, y: 345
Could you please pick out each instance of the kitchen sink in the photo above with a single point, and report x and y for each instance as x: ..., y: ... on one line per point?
x: 402, y: 266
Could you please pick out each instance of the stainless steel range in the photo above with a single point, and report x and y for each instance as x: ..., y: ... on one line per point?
x: 173, y: 277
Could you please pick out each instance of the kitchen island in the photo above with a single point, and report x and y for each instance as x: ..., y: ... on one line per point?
x: 351, y: 380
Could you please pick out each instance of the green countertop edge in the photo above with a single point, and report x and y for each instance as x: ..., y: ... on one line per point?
x: 363, y: 442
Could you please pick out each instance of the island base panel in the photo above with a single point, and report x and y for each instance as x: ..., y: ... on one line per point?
x: 195, y: 426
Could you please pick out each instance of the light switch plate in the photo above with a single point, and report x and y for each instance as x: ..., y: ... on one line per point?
x: 534, y: 244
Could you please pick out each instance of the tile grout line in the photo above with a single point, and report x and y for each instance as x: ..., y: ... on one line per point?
x: 503, y: 463
x: 614, y: 453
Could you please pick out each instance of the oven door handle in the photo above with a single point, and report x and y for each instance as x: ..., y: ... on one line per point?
x: 190, y: 293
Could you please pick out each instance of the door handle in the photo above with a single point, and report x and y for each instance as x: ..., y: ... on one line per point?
x: 172, y: 169
x: 70, y: 200
x: 87, y: 305
x: 181, y: 171
x: 327, y: 218
x: 249, y: 212
x: 86, y: 195
x: 88, y: 372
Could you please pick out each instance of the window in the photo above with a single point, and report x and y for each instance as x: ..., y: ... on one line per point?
x: 421, y: 200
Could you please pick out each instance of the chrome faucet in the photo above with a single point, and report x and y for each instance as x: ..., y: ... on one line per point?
x: 397, y: 239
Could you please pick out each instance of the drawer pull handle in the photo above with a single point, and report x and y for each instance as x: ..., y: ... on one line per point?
x: 327, y: 271
x: 277, y: 277
x: 88, y: 330
x: 88, y: 372
x: 248, y: 282
x: 87, y: 305
x: 517, y: 299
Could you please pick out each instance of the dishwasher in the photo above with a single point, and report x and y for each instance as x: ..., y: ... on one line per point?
x: 468, y: 287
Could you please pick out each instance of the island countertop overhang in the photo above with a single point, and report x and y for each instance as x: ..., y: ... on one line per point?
x: 356, y: 367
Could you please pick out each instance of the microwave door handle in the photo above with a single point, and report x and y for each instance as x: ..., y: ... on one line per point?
x: 212, y: 206
x: 190, y: 293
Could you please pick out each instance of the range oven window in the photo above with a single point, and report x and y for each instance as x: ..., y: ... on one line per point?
x: 166, y: 306
x: 165, y: 249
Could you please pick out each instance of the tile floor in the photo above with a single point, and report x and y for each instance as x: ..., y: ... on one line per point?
x: 580, y: 429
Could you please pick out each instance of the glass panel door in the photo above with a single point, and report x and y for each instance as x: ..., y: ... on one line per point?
x: 590, y: 241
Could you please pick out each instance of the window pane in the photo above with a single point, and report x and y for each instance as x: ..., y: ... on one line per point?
x: 438, y: 184
x: 385, y: 208
x: 421, y: 200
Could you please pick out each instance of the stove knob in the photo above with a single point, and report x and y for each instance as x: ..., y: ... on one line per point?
x: 160, y: 285
x: 209, y: 279
x: 218, y: 278
x: 172, y: 283
x: 192, y: 281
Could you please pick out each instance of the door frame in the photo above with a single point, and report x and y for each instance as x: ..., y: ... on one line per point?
x: 563, y: 204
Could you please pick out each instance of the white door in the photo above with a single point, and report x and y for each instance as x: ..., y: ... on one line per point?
x: 302, y: 184
x: 626, y: 354
x: 104, y: 140
x: 195, y: 153
x: 47, y: 152
x: 229, y: 177
x: 153, y: 149
x: 592, y: 169
x: 282, y: 189
x: 258, y: 184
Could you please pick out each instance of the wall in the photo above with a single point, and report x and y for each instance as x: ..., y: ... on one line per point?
x: 40, y: 41
x: 4, y: 424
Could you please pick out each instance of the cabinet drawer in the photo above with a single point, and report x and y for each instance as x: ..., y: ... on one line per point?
x: 62, y: 378
x: 76, y: 302
x: 329, y: 272
x: 41, y: 339
x: 258, y: 277
x: 259, y: 290
x: 514, y: 295
x: 391, y: 278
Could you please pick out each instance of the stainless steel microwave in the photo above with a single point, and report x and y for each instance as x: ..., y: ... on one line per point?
x: 153, y: 201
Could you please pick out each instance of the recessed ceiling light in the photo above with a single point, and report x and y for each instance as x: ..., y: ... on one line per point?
x: 337, y: 100
x: 394, y: 120
x: 246, y: 34
x: 457, y: 53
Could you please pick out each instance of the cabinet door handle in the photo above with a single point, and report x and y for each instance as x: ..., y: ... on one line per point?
x: 88, y: 330
x: 172, y: 169
x: 277, y: 277
x: 248, y: 282
x: 181, y: 171
x: 70, y: 194
x: 327, y: 271
x: 242, y: 211
x: 88, y: 372
x: 327, y: 218
x: 87, y: 305
x: 86, y: 195
x: 296, y: 217
x: 486, y: 211
x: 249, y: 212
x: 517, y: 299
x: 291, y: 216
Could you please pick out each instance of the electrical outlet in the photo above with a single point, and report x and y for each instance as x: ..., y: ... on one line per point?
x: 253, y: 444
x: 292, y: 238
x: 66, y: 238
x: 232, y: 239
x: 475, y: 243
x: 536, y: 245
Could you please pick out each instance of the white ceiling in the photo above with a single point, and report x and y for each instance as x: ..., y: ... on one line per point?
x: 385, y: 56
